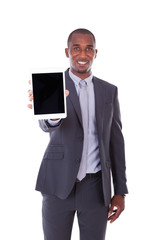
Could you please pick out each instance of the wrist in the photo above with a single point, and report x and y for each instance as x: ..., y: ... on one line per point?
x: 121, y: 195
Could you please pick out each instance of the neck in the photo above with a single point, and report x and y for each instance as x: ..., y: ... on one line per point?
x: 81, y: 75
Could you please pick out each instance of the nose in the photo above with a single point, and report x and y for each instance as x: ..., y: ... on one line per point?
x: 82, y: 54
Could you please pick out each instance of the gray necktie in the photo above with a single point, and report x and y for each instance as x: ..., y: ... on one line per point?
x: 83, y: 98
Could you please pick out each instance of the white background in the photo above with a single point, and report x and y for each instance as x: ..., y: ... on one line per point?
x: 34, y: 34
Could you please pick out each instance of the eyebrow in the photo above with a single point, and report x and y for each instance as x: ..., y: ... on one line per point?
x: 76, y: 45
x: 79, y: 45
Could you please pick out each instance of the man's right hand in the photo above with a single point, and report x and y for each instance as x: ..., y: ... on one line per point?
x: 31, y: 98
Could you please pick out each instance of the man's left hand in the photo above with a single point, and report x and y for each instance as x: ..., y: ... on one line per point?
x: 116, y: 207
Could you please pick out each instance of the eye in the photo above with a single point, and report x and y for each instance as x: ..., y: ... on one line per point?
x: 76, y: 49
x: 89, y: 49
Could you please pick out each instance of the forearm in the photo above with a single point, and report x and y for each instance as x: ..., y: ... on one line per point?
x: 49, y: 125
x: 117, y: 151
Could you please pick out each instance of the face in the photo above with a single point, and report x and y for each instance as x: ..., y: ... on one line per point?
x: 81, y: 53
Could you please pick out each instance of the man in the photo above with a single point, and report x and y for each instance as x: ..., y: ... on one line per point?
x: 83, y: 149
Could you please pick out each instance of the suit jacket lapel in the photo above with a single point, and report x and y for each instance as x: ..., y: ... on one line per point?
x: 99, y: 101
x: 99, y: 105
x: 73, y: 96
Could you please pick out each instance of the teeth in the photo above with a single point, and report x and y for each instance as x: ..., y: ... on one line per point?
x: 82, y: 62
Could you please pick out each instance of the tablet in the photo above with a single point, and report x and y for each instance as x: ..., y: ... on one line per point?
x: 49, y: 99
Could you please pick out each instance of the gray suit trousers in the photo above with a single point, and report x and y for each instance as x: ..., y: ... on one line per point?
x: 86, y: 199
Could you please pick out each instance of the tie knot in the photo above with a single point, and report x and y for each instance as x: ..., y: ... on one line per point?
x: 83, y: 83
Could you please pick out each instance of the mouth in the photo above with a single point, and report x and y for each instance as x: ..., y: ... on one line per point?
x: 82, y: 63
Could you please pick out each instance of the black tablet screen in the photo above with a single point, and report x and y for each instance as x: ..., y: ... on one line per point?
x: 48, y: 93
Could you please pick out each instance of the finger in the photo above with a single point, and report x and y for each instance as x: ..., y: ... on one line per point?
x: 29, y: 106
x: 30, y: 92
x: 30, y: 98
x: 29, y: 82
x: 66, y: 92
x: 110, y: 210
x: 116, y: 215
x: 111, y: 216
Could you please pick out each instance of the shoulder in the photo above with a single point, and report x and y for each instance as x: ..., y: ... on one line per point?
x: 104, y: 83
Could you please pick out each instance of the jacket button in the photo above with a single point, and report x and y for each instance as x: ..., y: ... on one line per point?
x: 78, y: 160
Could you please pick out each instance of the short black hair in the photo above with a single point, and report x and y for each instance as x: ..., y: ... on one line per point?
x: 82, y: 31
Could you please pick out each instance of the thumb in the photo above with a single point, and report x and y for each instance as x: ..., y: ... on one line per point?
x: 110, y: 210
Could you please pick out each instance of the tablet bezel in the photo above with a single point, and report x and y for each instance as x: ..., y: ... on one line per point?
x: 51, y: 115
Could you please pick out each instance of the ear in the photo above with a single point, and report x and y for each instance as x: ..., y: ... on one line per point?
x: 95, y: 53
x: 66, y: 52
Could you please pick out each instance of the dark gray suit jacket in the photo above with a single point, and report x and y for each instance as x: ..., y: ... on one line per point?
x: 60, y: 164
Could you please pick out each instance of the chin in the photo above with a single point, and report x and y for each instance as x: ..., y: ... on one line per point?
x: 82, y: 71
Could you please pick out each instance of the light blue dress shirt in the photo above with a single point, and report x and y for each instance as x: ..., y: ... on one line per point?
x: 93, y: 161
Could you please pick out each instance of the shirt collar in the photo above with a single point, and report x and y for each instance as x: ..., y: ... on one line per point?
x: 77, y: 79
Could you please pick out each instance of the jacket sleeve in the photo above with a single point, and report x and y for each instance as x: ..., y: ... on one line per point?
x: 117, y: 151
x: 46, y: 127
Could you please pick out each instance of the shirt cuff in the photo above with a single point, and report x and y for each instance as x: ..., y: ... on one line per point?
x: 54, y: 123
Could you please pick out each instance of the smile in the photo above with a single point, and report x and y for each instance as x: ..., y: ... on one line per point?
x: 82, y: 63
